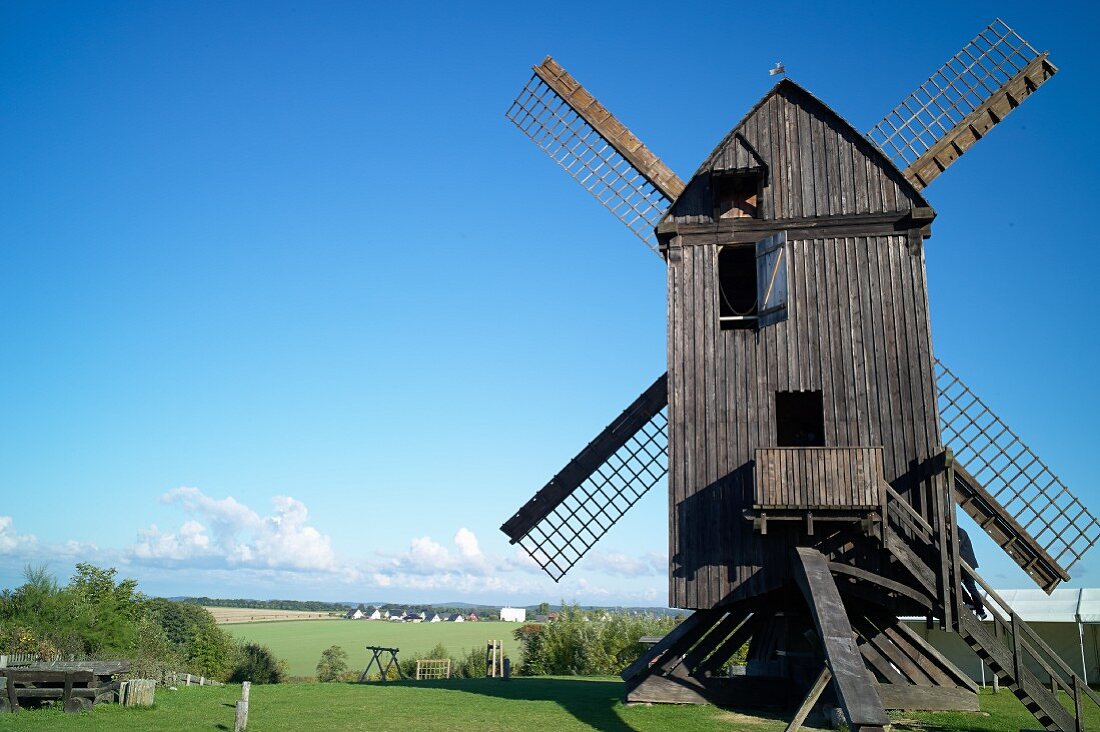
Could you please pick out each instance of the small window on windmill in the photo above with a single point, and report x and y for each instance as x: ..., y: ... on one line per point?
x: 799, y: 419
x: 752, y: 283
x: 736, y: 193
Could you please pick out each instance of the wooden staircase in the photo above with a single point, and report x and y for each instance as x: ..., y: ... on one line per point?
x: 1008, y: 646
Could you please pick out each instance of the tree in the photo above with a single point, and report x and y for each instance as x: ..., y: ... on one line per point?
x: 333, y: 664
x: 543, y: 609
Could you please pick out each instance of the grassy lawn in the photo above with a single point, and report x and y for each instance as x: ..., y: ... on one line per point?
x: 300, y: 642
x: 480, y: 705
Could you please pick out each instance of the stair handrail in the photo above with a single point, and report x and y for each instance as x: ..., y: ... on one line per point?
x: 1020, y: 628
x: 1010, y: 638
x: 909, y: 512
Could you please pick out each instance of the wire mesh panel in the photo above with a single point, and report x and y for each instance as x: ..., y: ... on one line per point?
x: 1014, y: 475
x: 563, y: 134
x: 968, y: 79
x: 563, y: 536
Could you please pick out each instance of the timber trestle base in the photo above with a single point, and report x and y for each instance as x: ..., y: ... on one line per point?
x: 377, y: 653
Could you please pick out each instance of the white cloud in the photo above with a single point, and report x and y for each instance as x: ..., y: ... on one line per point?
x: 467, y: 543
x: 624, y: 565
x: 190, y: 541
x: 224, y: 541
x: 12, y: 542
x: 238, y: 536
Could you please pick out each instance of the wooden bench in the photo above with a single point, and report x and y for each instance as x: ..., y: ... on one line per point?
x: 77, y: 689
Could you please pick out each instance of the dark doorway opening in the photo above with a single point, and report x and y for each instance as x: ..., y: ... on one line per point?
x: 737, y: 287
x: 799, y: 419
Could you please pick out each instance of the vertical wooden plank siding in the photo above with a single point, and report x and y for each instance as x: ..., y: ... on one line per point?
x: 857, y: 331
x: 817, y: 167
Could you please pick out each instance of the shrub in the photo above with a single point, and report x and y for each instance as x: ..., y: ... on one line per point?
x: 333, y: 664
x: 258, y: 664
x: 471, y: 665
x: 575, y: 645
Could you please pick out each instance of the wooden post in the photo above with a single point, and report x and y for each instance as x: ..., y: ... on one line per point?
x: 241, y: 721
x: 3, y: 661
x: 814, y: 694
x: 188, y: 679
x: 1080, y: 723
x: 246, y: 688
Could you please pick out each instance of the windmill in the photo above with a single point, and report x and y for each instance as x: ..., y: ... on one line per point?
x: 814, y: 447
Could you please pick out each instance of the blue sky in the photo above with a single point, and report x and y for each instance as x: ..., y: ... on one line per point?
x: 290, y: 310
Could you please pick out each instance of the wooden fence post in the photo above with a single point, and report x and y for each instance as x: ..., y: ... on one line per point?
x: 246, y: 688
x: 241, y: 722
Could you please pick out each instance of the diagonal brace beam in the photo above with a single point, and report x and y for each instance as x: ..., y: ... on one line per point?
x: 854, y: 688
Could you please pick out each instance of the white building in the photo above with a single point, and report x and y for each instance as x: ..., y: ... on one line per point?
x: 1068, y: 620
x: 513, y: 614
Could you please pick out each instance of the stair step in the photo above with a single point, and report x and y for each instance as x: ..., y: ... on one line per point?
x: 992, y: 648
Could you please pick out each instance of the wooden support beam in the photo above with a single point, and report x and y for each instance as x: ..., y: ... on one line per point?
x: 978, y: 123
x: 682, y: 637
x: 927, y: 698
x: 883, y: 582
x: 812, y: 696
x: 855, y: 690
x: 611, y: 129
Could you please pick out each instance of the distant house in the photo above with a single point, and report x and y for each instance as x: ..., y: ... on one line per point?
x: 355, y: 614
x: 456, y: 618
x: 513, y: 614
x: 433, y: 618
x: 542, y: 618
x: 414, y: 618
x: 374, y: 615
x: 472, y: 618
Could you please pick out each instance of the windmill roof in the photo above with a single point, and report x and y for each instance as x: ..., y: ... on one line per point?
x: 788, y: 86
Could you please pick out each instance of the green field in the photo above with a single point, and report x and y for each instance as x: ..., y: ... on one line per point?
x: 300, y: 642
x: 467, y: 705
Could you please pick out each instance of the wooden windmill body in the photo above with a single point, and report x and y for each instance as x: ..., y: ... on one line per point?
x: 806, y: 429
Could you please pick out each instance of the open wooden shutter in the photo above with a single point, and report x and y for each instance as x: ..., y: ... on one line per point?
x: 771, y: 279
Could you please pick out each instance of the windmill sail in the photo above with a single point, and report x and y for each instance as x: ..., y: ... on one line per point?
x: 601, y: 154
x: 583, y: 501
x: 1009, y: 491
x: 961, y: 102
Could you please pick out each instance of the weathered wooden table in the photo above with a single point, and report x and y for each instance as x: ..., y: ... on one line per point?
x: 77, y: 684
